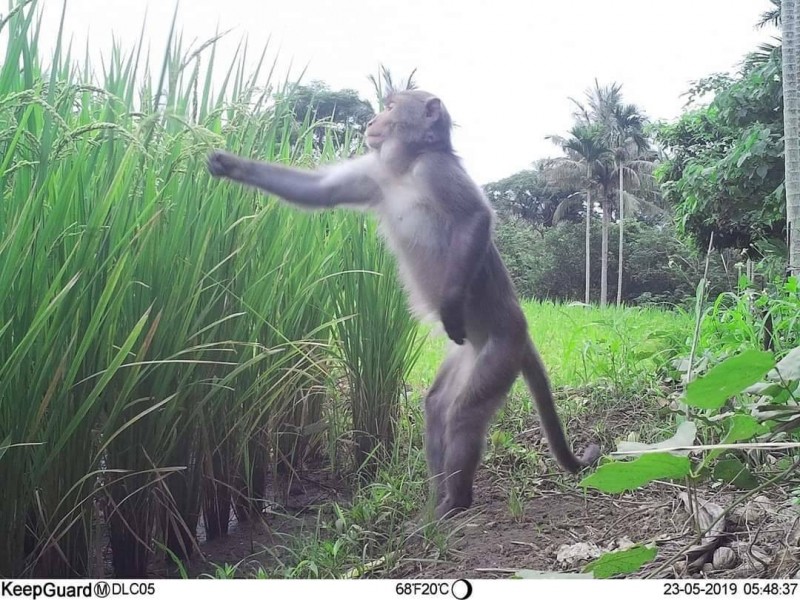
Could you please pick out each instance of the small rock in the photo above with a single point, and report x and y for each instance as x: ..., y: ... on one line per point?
x: 622, y: 543
x: 625, y: 543
x: 754, y: 511
x: 763, y: 500
x: 724, y: 558
x: 572, y: 554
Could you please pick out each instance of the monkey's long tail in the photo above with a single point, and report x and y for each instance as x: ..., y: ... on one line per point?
x: 536, y: 377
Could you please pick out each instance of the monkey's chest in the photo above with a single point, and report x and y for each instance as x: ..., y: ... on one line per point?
x: 417, y: 235
x: 412, y: 226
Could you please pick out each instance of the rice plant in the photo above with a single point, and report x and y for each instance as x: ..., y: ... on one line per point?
x: 166, y: 338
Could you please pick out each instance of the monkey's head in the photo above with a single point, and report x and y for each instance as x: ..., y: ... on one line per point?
x: 414, y: 119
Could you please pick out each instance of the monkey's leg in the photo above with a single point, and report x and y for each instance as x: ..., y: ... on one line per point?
x: 495, y: 369
x: 446, y: 386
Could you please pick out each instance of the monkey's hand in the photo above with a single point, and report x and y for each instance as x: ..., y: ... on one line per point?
x: 223, y: 164
x: 452, y: 312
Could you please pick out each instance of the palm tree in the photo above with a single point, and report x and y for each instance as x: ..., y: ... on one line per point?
x: 601, y: 101
x: 628, y: 144
x: 622, y: 127
x: 784, y: 14
x: 585, y: 155
x: 605, y: 178
x: 790, y: 28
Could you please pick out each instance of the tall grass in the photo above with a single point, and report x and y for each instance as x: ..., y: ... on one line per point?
x: 165, y: 338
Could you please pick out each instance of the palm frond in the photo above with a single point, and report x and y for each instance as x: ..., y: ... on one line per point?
x: 581, y: 114
x: 564, y: 169
x: 766, y: 53
x: 771, y: 17
x: 636, y: 205
x: 558, y: 140
x: 576, y: 199
x: 602, y: 100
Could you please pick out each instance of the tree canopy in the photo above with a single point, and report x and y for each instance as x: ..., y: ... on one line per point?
x: 723, y: 162
x: 342, y: 109
x: 529, y: 194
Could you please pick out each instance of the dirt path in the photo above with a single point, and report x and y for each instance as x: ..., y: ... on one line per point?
x: 491, y: 543
x: 554, y: 526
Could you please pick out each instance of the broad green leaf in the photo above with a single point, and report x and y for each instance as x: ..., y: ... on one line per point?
x: 621, y: 562
x: 786, y: 394
x: 729, y: 377
x: 733, y: 471
x: 742, y: 427
x: 621, y: 476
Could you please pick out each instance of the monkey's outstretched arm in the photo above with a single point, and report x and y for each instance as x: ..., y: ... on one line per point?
x: 346, y: 183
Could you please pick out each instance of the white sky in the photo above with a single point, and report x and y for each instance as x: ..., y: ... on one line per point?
x: 504, y: 68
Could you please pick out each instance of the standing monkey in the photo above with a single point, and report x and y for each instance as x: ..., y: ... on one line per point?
x: 438, y: 223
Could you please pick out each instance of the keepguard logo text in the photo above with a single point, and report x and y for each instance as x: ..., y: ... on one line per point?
x: 9, y: 589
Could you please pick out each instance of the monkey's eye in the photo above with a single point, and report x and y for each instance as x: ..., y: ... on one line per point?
x: 390, y: 106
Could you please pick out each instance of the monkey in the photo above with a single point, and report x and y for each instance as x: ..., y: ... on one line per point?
x: 438, y: 223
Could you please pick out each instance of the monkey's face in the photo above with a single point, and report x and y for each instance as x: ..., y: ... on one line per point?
x: 381, y: 127
x: 412, y: 118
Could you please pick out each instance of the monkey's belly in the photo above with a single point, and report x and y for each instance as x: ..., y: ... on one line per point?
x: 421, y: 272
x: 415, y: 234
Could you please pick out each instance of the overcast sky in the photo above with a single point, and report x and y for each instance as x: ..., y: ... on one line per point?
x: 505, y: 68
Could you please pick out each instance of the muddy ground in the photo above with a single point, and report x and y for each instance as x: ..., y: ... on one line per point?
x: 556, y: 527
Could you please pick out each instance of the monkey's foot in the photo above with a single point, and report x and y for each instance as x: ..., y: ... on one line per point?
x: 447, y: 509
x: 221, y: 163
x: 420, y: 527
x: 591, y: 455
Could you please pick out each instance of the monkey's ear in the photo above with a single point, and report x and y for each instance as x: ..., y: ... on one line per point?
x: 433, y: 109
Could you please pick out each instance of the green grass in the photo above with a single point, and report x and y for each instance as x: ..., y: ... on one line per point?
x: 583, y: 345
